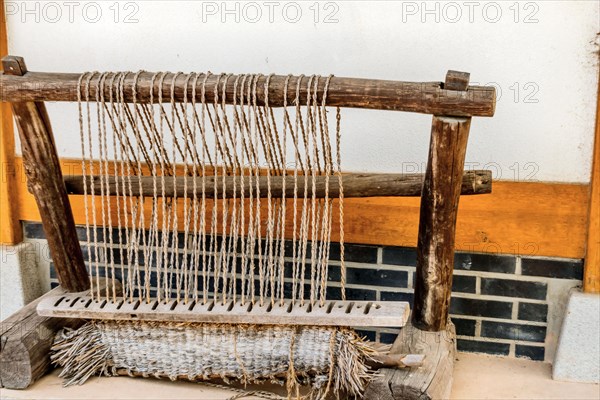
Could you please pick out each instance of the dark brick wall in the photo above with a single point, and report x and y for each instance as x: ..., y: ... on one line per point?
x: 499, y: 303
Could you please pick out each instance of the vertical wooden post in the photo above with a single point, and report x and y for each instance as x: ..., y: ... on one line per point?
x: 591, y: 280
x: 45, y: 181
x: 437, y: 223
x: 10, y: 228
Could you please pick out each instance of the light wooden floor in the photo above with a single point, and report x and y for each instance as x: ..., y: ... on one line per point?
x: 475, y: 377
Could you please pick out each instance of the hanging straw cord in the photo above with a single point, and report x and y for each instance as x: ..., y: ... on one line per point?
x: 199, y: 247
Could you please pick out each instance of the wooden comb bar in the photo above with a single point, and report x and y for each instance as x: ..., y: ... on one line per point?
x: 333, y: 313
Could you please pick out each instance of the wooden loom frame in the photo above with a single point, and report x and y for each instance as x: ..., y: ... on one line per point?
x: 451, y: 103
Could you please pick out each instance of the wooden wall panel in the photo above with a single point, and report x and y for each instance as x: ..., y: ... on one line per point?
x: 542, y: 219
x: 591, y: 281
x: 10, y: 229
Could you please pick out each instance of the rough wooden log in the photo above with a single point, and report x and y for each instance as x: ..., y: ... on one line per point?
x: 420, y: 97
x: 437, y: 222
x: 432, y: 380
x: 355, y: 185
x: 25, y: 341
x: 44, y: 178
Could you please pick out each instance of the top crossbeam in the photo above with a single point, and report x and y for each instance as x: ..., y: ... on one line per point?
x: 419, y: 97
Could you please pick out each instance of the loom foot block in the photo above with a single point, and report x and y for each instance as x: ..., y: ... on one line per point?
x: 25, y: 341
x: 433, y: 380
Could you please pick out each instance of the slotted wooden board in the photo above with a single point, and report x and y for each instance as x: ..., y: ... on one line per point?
x: 333, y: 313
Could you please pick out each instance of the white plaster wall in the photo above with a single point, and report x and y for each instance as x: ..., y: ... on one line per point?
x: 546, y: 49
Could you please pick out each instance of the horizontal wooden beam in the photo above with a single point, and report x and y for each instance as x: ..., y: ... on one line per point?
x: 419, y: 97
x: 354, y: 185
x: 522, y: 218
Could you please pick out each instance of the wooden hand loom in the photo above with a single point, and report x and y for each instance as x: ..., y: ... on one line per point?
x: 452, y: 105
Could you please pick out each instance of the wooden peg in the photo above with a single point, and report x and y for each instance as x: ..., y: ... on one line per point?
x: 14, y: 65
x: 457, y: 80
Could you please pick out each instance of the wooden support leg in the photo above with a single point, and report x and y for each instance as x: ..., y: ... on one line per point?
x: 437, y: 225
x: 45, y: 181
x: 431, y: 333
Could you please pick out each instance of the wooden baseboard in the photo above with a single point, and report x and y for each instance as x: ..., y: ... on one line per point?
x: 523, y: 218
x: 591, y: 280
x: 10, y: 230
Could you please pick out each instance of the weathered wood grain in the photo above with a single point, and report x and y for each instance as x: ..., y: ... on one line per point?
x: 25, y: 340
x: 419, y: 97
x: 431, y: 381
x: 437, y: 222
x: 332, y: 313
x: 44, y: 179
x: 457, y: 80
x: 355, y: 185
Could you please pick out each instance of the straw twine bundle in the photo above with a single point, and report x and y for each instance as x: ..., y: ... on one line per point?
x: 330, y: 360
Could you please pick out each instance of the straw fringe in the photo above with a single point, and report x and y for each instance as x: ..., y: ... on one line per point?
x: 326, y: 358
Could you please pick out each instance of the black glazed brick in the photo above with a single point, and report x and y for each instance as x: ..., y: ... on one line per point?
x: 372, y: 277
x: 552, y: 268
x: 474, y: 346
x: 354, y: 253
x: 121, y: 236
x: 535, y: 353
x: 533, y: 312
x: 360, y: 276
x: 334, y: 293
x: 480, y: 308
x: 485, y: 262
x: 464, y: 284
x: 502, y: 330
x: 513, y: 288
x: 406, y: 256
x: 397, y: 296
x: 369, y: 335
x: 387, y: 338
x: 464, y: 327
x: 33, y: 230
